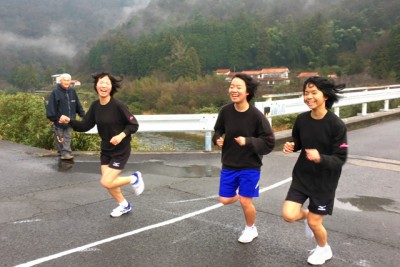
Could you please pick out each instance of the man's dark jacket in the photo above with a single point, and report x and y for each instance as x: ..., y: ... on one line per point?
x: 63, y: 102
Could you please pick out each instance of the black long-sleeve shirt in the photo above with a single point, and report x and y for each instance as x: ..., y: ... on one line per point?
x: 250, y: 124
x: 329, y: 136
x: 111, y: 119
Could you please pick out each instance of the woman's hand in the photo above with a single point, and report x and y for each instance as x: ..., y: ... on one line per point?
x: 115, y: 140
x: 313, y: 155
x: 220, y: 142
x: 64, y: 119
x: 288, y: 147
x: 241, y: 140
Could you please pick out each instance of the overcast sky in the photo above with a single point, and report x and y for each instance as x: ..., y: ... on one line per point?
x: 57, y: 36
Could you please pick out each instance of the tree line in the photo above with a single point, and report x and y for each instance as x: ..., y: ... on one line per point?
x: 247, y: 42
x: 171, y: 69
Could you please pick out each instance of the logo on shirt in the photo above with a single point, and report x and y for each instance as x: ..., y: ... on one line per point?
x: 322, y: 208
x: 344, y: 145
x: 116, y: 164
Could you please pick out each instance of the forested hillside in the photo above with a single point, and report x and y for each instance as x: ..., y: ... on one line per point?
x: 170, y: 39
x: 325, y: 36
x: 43, y: 34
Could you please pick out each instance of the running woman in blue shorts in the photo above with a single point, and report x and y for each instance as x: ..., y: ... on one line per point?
x: 245, y: 135
x: 115, y: 125
x: 321, y: 136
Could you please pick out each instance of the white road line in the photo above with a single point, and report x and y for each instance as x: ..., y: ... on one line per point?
x: 193, y: 199
x: 26, y: 221
x: 161, y: 224
x: 275, y: 185
x: 215, y: 196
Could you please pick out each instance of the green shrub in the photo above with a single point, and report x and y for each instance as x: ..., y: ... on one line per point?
x: 85, y: 142
x: 23, y: 120
x: 284, y: 121
x: 91, y: 142
x: 394, y: 103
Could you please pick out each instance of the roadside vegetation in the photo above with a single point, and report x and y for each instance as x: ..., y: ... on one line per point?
x: 23, y: 120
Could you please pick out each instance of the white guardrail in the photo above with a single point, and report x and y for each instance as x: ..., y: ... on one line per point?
x: 205, y: 122
x: 350, y: 96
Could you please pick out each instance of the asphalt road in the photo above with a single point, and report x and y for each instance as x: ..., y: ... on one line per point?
x: 57, y: 214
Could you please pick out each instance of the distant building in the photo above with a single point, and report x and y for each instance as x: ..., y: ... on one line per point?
x: 224, y: 72
x: 273, y: 76
x: 305, y: 75
x: 269, y: 76
x: 255, y: 74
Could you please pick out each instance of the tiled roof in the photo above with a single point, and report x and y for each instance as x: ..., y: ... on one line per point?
x: 251, y: 72
x: 222, y: 70
x: 307, y: 74
x: 274, y: 70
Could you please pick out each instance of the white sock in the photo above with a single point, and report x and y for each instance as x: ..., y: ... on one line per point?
x: 250, y: 227
x: 124, y: 203
x: 133, y: 179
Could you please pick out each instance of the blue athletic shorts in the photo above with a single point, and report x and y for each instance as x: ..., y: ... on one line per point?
x: 246, y: 180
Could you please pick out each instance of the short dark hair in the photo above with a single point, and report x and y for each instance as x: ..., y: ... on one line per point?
x: 251, y: 84
x: 115, y: 82
x: 327, y: 87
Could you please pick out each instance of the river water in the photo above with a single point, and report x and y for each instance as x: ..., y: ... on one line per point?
x: 171, y: 141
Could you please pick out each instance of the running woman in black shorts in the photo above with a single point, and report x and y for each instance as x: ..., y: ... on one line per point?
x: 115, y: 125
x: 322, y: 138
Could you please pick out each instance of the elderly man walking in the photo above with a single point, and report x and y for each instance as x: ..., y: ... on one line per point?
x: 63, y: 100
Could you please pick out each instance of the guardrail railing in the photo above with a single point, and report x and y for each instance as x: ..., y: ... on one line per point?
x: 350, y: 96
x: 177, y: 123
x: 205, y: 122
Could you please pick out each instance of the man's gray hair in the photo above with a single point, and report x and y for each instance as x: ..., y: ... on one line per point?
x: 65, y: 76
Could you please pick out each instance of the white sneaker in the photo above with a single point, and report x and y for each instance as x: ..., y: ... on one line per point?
x: 248, y: 235
x: 120, y: 210
x: 138, y: 186
x: 320, y: 255
x: 309, y: 232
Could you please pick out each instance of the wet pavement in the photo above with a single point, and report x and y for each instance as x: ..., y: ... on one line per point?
x: 55, y: 213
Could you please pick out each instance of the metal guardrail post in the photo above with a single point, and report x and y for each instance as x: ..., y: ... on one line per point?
x: 386, y: 103
x: 267, y: 110
x: 364, y: 109
x: 207, y: 142
x: 337, y: 111
x: 364, y: 106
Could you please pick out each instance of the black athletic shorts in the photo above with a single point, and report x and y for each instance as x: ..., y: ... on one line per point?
x: 116, y: 159
x: 317, y: 206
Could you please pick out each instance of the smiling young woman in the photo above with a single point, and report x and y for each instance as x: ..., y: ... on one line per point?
x: 103, y: 88
x: 238, y: 94
x: 321, y: 137
x: 245, y: 135
x: 115, y: 125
